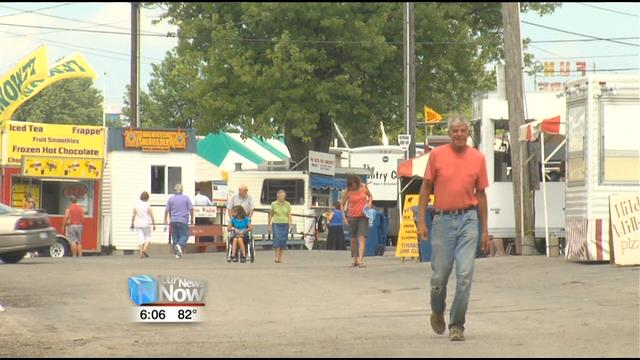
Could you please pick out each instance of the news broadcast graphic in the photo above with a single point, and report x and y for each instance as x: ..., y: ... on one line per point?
x: 167, y: 299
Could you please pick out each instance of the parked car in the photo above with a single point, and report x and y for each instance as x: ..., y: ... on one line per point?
x: 23, y: 231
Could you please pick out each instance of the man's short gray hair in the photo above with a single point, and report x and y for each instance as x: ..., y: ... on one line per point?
x: 457, y: 119
x: 178, y: 188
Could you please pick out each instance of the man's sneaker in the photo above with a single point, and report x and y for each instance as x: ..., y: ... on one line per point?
x: 437, y: 323
x: 456, y: 333
x: 178, y: 251
x: 243, y: 260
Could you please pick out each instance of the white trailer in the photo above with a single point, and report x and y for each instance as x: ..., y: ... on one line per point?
x: 490, y: 115
x: 603, y: 158
x: 382, y: 161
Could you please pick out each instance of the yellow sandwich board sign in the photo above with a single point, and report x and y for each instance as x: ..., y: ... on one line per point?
x: 408, y: 235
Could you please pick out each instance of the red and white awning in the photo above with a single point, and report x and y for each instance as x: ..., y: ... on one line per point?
x: 532, y: 130
x: 413, y: 167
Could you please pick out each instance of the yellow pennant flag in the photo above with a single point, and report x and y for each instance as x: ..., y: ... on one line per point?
x: 431, y: 115
x: 12, y: 84
x: 73, y: 66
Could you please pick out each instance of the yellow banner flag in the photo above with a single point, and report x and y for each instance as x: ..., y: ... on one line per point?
x: 431, y: 115
x: 12, y: 84
x: 73, y: 66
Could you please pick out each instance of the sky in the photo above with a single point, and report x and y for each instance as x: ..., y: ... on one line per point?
x: 108, y: 54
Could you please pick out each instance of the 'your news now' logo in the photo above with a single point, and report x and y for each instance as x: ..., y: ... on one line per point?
x: 144, y: 290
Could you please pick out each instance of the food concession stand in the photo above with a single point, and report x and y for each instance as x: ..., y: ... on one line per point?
x: 54, y: 162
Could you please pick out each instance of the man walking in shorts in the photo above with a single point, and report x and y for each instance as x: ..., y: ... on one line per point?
x: 458, y: 175
x: 72, y: 224
x: 180, y: 208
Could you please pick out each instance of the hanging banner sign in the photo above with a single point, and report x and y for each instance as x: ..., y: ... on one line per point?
x: 155, y: 140
x: 31, y: 76
x: 32, y: 68
x: 51, y: 140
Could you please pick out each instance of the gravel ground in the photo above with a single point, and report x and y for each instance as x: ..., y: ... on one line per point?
x: 314, y: 304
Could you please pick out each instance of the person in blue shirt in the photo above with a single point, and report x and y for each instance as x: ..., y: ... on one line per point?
x: 337, y: 218
x: 239, y: 226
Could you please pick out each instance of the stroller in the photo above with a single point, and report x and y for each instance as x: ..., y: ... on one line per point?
x: 249, y: 246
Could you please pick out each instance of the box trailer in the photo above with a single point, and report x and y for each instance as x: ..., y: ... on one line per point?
x: 491, y: 128
x: 603, y: 158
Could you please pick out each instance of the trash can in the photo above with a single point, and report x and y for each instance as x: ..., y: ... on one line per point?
x: 425, y: 246
x: 377, y: 237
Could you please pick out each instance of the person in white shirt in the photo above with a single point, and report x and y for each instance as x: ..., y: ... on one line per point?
x: 143, y: 221
x: 201, y: 200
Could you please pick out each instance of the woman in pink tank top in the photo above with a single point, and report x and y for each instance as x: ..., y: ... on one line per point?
x: 355, y: 199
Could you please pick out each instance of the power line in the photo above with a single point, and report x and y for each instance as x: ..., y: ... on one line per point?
x: 591, y: 57
x: 543, y: 50
x: 55, y: 31
x: 32, y: 11
x: 609, y: 10
x: 344, y: 42
x: 82, y: 30
x: 584, y: 40
x: 35, y: 12
x: 587, y: 70
x: 578, y: 34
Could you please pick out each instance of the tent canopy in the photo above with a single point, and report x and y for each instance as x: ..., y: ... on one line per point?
x: 327, y: 182
x: 206, y: 171
x: 532, y: 130
x: 413, y: 167
x: 225, y: 149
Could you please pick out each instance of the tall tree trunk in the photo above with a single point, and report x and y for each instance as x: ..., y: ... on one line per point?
x: 320, y: 140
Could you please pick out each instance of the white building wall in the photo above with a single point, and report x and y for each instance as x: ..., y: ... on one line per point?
x: 130, y: 176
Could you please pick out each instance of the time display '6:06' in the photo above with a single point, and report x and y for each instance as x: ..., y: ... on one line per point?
x: 152, y: 314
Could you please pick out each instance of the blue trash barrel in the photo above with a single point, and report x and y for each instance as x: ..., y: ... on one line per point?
x: 425, y: 246
x: 377, y: 237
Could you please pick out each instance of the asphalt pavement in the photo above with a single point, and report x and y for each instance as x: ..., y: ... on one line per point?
x: 315, y: 304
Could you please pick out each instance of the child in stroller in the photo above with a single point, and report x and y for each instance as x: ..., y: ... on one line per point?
x: 239, y: 228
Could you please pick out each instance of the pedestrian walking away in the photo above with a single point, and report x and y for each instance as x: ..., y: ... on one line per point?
x: 143, y: 222
x: 180, y: 208
x: 457, y: 175
x: 358, y: 197
x: 335, y: 239
x: 280, y: 221
x: 72, y: 226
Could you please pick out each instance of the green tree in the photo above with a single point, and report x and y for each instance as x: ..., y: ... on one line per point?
x: 71, y: 101
x: 293, y: 68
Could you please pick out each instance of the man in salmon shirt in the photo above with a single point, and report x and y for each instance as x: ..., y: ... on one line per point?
x: 72, y: 226
x: 458, y: 174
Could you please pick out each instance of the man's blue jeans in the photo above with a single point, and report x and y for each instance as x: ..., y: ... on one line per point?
x: 453, y: 237
x: 179, y: 233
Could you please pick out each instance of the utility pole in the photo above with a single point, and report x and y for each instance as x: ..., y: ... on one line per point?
x: 135, y: 56
x: 523, y: 204
x: 410, y: 76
